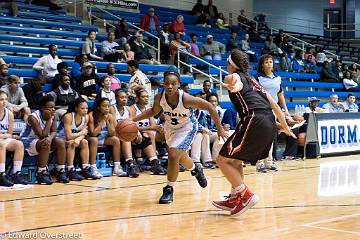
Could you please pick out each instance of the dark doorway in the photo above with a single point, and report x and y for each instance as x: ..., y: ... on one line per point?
x: 332, y: 23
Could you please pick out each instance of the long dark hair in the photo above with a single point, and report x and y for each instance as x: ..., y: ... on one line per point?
x: 240, y: 60
x: 73, y: 105
x: 96, y: 108
x: 261, y: 62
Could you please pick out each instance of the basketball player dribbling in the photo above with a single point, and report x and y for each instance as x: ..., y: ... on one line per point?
x: 253, y: 136
x: 180, y: 128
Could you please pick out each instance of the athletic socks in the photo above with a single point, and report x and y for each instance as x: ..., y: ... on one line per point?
x: 59, y: 167
x: 117, y: 165
x: 70, y: 167
x: 171, y: 184
x: 2, y: 167
x: 17, y: 166
x: 240, y: 188
x: 40, y: 169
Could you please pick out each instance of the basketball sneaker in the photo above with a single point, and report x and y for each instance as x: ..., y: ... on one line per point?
x: 181, y: 168
x: 88, y: 173
x: 260, y: 167
x: 167, y: 197
x: 271, y: 166
x: 156, y: 168
x: 199, y: 175
x: 118, y: 171
x: 75, y: 175
x: 228, y: 204
x: 5, y: 181
x: 96, y: 172
x: 244, y: 200
x: 132, y: 169
x: 19, y: 178
x: 61, y: 176
x: 44, y: 177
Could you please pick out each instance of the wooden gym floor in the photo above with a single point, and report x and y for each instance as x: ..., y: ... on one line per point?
x: 296, y: 202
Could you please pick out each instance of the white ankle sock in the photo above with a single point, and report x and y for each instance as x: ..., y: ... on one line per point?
x: 2, y: 167
x: 70, y: 167
x: 117, y: 165
x: 85, y: 165
x: 93, y: 165
x: 17, y: 166
x: 40, y: 169
x: 240, y: 188
x: 59, y: 167
x: 192, y: 168
x: 171, y: 184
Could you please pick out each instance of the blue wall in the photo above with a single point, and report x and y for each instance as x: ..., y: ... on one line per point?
x: 357, y: 19
x: 308, y: 13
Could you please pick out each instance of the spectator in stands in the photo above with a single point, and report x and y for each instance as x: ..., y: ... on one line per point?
x: 115, y: 82
x: 8, y: 143
x: 194, y: 46
x: 111, y: 50
x: 233, y: 42
x: 4, y: 74
x: 63, y: 69
x: 270, y: 47
x: 86, y: 84
x: 349, y: 104
x: 321, y: 57
x: 185, y: 87
x: 122, y: 32
x: 211, y: 10
x: 279, y: 37
x: 177, y: 44
x: 243, y: 20
x: 48, y: 64
x: 230, y: 118
x: 177, y: 26
x: 142, y: 54
x: 297, y: 62
x: 336, y: 68
x: 2, y: 61
x: 202, y: 21
x: 106, y: 92
x: 310, y: 64
x: 312, y: 106
x: 334, y: 106
x: 17, y: 102
x: 349, y: 84
x: 355, y: 72
x: 39, y: 138
x: 245, y: 46
x: 254, y: 34
x: 11, y: 5
x: 262, y: 24
x: 33, y: 92
x: 212, y: 50
x: 165, y: 39
x: 198, y: 8
x: 326, y: 75
x: 63, y: 96
x: 138, y: 80
x: 46, y: 3
x: 128, y: 54
x: 285, y: 63
x: 308, y: 52
x: 150, y: 22
x: 205, y: 90
x: 155, y: 85
x: 89, y: 47
x: 221, y: 22
x: 76, y: 67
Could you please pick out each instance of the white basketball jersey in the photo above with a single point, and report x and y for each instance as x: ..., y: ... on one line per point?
x: 144, y: 122
x: 29, y: 132
x: 74, y: 128
x: 176, y: 117
x: 119, y: 117
x: 4, y: 122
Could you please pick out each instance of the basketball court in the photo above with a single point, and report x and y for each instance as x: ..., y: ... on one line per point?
x: 311, y: 199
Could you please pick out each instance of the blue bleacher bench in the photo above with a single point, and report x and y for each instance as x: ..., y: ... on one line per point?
x: 36, y: 50
x: 42, y: 16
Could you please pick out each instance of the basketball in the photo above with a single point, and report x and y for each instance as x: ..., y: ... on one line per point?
x: 127, y: 130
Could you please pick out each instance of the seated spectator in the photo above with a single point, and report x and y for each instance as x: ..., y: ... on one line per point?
x: 63, y: 96
x: 155, y: 85
x: 355, y: 72
x: 17, y: 102
x: 198, y: 8
x: 349, y: 104
x: 254, y: 34
x: 89, y: 47
x: 33, y: 92
x: 138, y: 80
x: 39, y: 138
x: 233, y: 43
x: 165, y: 39
x: 262, y: 24
x: 211, y: 10
x: 297, y: 62
x: 47, y: 65
x: 230, y: 118
x: 63, y: 69
x: 312, y: 106
x: 321, y: 57
x: 105, y: 92
x: 245, y: 46
x: 212, y: 50
x: 11, y: 5
x: 221, y: 22
x: 2, y: 61
x: 206, y: 89
x: 308, y: 52
x: 177, y: 26
x: 111, y: 50
x: 115, y: 82
x: 8, y: 143
x: 285, y: 63
x: 279, y: 37
x: 142, y: 54
x: 177, y: 44
x: 194, y: 46
x: 202, y: 21
x: 349, y: 84
x: 128, y: 54
x: 4, y: 74
x: 326, y: 75
x: 270, y: 47
x: 86, y: 84
x: 185, y: 87
x: 76, y: 67
x: 337, y: 69
x: 334, y: 106
x: 310, y: 65
x: 242, y: 19
x: 292, y: 144
x: 150, y: 22
x: 122, y: 32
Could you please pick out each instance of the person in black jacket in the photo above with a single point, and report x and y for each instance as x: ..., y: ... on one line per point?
x: 142, y: 54
x: 86, y: 84
x: 34, y: 92
x: 211, y: 10
x: 326, y: 75
x: 198, y: 8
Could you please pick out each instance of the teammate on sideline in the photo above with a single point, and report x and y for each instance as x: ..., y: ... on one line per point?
x: 253, y: 136
x: 180, y: 128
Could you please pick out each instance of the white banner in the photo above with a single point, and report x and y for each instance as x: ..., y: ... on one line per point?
x: 133, y: 4
x: 339, y: 135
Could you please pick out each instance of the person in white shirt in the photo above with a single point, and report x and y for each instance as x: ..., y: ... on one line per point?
x: 48, y: 64
x: 349, y: 83
x: 333, y: 106
x: 349, y: 104
x: 138, y: 80
x: 313, y: 106
x: 111, y: 50
x: 105, y: 92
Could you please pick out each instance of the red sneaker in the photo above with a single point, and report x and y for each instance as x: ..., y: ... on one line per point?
x: 244, y: 201
x: 227, y: 204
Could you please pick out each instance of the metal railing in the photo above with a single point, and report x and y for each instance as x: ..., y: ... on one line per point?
x: 212, y: 78
x: 131, y: 25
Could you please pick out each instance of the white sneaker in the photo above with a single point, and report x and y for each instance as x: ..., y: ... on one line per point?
x: 260, y: 167
x: 96, y: 172
x: 119, y: 172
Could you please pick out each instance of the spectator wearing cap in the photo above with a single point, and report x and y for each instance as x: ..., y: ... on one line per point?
x: 142, y: 54
x: 33, y: 92
x: 212, y: 50
x: 4, y: 74
x: 313, y: 105
x: 150, y: 22
x: 165, y: 39
x: 334, y: 106
x: 111, y: 50
x: 177, y: 26
x: 86, y: 84
x: 47, y: 65
x: 349, y: 104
